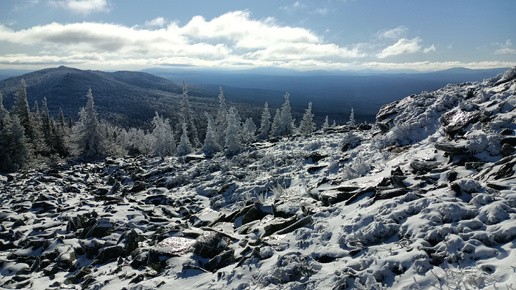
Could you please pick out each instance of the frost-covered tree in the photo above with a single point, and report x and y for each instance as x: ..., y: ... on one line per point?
x: 265, y: 125
x: 276, y: 123
x: 211, y: 146
x: 326, y: 124
x: 307, y: 125
x: 89, y: 139
x: 232, y: 140
x: 221, y: 121
x: 184, y: 147
x: 139, y: 143
x: 287, y: 123
x: 351, y: 121
x: 249, y: 131
x: 165, y: 143
x: 22, y: 110
x: 186, y: 116
x: 17, y: 151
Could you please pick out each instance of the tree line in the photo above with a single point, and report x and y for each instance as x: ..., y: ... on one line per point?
x: 31, y: 137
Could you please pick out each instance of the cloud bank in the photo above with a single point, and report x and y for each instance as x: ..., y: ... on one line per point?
x: 231, y: 40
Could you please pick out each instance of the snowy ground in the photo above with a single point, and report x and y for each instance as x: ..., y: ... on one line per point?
x: 425, y: 199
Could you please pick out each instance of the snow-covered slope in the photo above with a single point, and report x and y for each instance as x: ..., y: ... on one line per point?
x: 426, y: 198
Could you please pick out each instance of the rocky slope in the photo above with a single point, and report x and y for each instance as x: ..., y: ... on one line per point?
x: 426, y: 198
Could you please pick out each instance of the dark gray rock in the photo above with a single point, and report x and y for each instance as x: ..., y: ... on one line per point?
x: 210, y: 245
x: 220, y: 261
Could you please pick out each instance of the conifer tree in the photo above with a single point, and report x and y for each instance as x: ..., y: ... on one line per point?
x: 165, y: 143
x: 249, y: 131
x: 351, y: 121
x: 276, y: 124
x: 18, y: 151
x: 186, y: 116
x: 22, y: 110
x: 90, y: 142
x: 184, y: 147
x: 221, y: 121
x: 232, y: 140
x: 287, y: 123
x: 326, y: 123
x: 265, y: 125
x: 210, y: 146
x: 307, y: 125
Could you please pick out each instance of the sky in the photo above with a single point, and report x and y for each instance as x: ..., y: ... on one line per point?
x: 305, y: 35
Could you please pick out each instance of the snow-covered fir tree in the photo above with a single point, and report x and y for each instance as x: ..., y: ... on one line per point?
x: 22, y: 110
x: 186, y: 116
x: 285, y: 124
x: 211, y: 146
x: 164, y: 141
x: 276, y: 123
x: 265, y: 124
x: 326, y: 124
x: 351, y: 121
x: 87, y: 134
x: 232, y: 143
x: 184, y: 147
x: 248, y: 131
x: 221, y: 121
x: 307, y: 125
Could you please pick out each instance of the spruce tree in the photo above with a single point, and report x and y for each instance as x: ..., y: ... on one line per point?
x: 184, y: 147
x: 351, y: 121
x: 221, y: 121
x: 249, y: 131
x: 186, y: 116
x: 276, y: 124
x: 232, y: 140
x: 307, y: 125
x: 90, y: 142
x: 211, y: 145
x: 326, y: 124
x: 165, y: 143
x: 21, y: 109
x: 265, y: 125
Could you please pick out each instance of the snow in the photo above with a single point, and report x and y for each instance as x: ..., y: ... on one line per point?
x: 340, y: 209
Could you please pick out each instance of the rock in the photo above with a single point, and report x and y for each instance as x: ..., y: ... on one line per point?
x: 91, y: 247
x: 99, y: 229
x: 254, y: 213
x: 316, y: 157
x: 387, y: 111
x: 210, y: 245
x: 389, y: 193
x: 109, y: 254
x: 507, y: 149
x: 159, y: 199
x: 220, y: 261
x: 422, y: 167
x: 300, y: 223
x: 474, y: 165
x: 278, y: 224
x: 506, y: 132
x: 454, y: 149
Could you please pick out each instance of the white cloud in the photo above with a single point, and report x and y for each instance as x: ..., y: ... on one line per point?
x: 431, y: 48
x: 229, y: 40
x: 156, y: 22
x: 505, y: 48
x: 82, y: 6
x: 292, y: 8
x: 321, y: 11
x: 395, y: 33
x: 403, y: 46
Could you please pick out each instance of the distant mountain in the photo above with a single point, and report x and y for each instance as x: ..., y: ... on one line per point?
x: 126, y: 98
x: 332, y: 92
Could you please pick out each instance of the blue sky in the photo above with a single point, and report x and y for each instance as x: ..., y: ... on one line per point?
x: 304, y: 35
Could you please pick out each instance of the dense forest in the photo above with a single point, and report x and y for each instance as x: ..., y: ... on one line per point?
x: 31, y: 137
